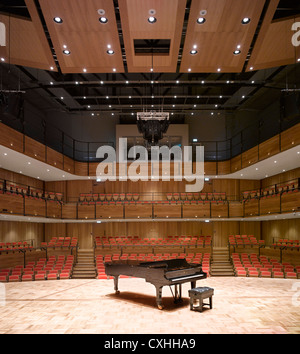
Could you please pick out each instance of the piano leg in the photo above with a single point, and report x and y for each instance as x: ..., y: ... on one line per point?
x: 193, y: 284
x: 158, y: 297
x: 116, y: 279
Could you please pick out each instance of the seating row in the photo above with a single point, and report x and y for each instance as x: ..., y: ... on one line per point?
x: 193, y: 258
x: 9, y: 246
x: 202, y: 241
x: 242, y: 241
x: 196, y: 196
x: 293, y: 244
x: 275, y: 189
x: 53, y: 269
x: 156, y: 202
x: 13, y: 188
x: 89, y: 197
x: 254, y: 266
x: 60, y: 242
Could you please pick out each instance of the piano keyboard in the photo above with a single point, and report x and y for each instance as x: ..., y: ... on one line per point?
x: 186, y: 277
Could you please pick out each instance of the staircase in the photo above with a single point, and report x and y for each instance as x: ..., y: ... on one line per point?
x: 220, y: 265
x: 85, y: 266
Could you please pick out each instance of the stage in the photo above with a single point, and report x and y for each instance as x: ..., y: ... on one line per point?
x: 240, y: 306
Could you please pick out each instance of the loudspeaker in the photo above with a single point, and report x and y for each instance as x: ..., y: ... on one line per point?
x: 11, y: 105
x: 290, y: 105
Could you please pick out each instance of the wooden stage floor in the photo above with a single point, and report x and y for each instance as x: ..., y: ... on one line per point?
x: 240, y: 305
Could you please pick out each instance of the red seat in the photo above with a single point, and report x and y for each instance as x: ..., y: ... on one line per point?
x: 14, y: 278
x: 27, y: 277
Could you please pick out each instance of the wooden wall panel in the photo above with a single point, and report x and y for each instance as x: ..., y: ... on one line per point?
x: 269, y: 148
x: 272, y: 231
x: 20, y: 179
x: 236, y: 209
x: 290, y: 138
x: 290, y: 202
x: 236, y: 163
x: 35, y: 149
x: 142, y: 211
x: 86, y: 211
x: 109, y: 212
x: 69, y: 211
x: 167, y: 211
x: 54, y: 158
x: 270, y: 205
x: 251, y: 207
x: 69, y: 165
x: 12, y: 204
x: 281, y: 178
x: 12, y: 231
x: 196, y: 210
x: 11, y: 138
x: 54, y: 209
x: 35, y: 207
x: 250, y: 157
x: 219, y: 210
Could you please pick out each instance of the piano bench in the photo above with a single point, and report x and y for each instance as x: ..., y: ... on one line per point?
x: 199, y: 294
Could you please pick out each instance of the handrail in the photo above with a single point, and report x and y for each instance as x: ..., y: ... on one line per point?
x: 223, y: 150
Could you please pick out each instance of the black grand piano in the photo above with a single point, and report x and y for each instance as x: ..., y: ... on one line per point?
x: 160, y: 273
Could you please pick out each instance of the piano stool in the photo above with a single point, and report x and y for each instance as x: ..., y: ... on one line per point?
x: 200, y: 294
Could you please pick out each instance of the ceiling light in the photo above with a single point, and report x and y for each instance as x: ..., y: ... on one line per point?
x: 251, y: 68
x: 66, y: 52
x: 189, y: 69
x: 2, y: 59
x: 219, y: 69
x: 201, y: 20
x: 51, y: 68
x: 246, y: 20
x: 193, y: 52
x: 110, y: 52
x: 195, y: 140
x: 114, y: 69
x: 152, y: 19
x: 275, y: 161
x: 5, y: 154
x: 103, y: 19
x: 107, y: 97
x: 101, y: 82
x: 127, y: 82
x: 58, y: 20
x: 84, y: 70
x: 151, y: 69
x: 237, y: 52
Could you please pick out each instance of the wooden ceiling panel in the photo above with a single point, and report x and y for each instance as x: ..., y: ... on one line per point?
x: 135, y: 26
x: 26, y: 44
x: 274, y: 44
x: 220, y: 35
x: 83, y: 35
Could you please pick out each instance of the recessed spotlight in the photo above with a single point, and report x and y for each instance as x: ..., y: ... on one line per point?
x: 66, y: 52
x: 103, y: 19
x: 84, y: 70
x: 114, y: 69
x: 251, y: 68
x: 127, y: 82
x: 110, y: 52
x: 189, y: 69
x: 219, y: 69
x: 5, y: 154
x: 275, y: 161
x: 195, y: 140
x: 2, y: 59
x: 152, y: 19
x: 193, y: 52
x: 58, y: 19
x: 107, y: 97
x: 177, y: 81
x: 246, y: 20
x: 51, y: 68
x: 201, y: 20
x: 237, y: 52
